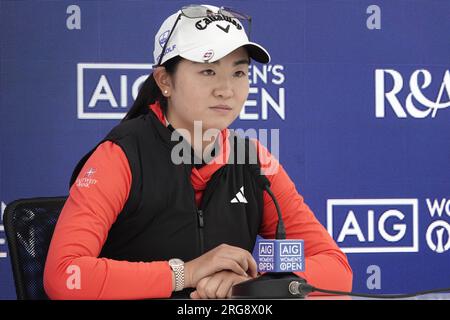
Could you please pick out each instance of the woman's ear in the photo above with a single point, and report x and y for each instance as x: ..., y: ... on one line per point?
x: 163, y: 80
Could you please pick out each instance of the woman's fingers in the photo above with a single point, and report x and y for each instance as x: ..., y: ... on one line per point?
x: 225, y: 288
x: 209, y: 288
x: 243, y: 258
x: 201, y: 287
x: 226, y: 264
x: 217, y: 286
x: 223, y: 257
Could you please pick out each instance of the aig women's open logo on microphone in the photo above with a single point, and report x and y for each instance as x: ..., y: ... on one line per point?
x: 279, y: 255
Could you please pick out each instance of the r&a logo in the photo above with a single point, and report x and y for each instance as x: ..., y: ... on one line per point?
x: 416, y: 86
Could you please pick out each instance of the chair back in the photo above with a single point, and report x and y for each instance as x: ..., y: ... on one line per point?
x: 29, y: 225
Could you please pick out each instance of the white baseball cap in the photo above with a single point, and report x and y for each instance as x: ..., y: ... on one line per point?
x: 204, y: 39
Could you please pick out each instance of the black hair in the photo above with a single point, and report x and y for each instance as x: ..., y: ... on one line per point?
x: 149, y: 92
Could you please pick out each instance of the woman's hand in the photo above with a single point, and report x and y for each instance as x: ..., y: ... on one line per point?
x: 217, y: 286
x: 223, y: 257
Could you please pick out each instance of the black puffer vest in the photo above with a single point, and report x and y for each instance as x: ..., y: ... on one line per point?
x: 160, y: 219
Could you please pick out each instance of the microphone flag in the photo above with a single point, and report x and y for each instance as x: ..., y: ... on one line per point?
x: 279, y: 255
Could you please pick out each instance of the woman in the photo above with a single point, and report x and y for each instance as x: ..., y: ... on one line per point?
x: 145, y: 199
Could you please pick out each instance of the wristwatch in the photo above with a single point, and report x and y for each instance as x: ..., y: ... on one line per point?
x: 177, y: 266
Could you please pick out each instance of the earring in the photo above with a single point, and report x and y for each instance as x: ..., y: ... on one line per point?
x: 165, y: 92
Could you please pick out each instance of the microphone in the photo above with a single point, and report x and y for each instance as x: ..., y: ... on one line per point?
x: 279, y: 258
x: 264, y: 184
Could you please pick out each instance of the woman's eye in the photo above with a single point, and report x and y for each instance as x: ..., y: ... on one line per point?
x: 208, y: 72
x: 240, y: 74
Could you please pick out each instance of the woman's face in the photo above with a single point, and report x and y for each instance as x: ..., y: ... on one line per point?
x: 213, y: 93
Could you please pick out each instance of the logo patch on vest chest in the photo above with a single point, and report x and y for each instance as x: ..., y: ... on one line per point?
x: 239, y: 197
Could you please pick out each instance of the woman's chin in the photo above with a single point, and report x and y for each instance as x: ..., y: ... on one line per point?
x: 216, y: 125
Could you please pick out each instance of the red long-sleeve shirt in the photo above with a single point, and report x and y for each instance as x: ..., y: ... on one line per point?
x: 92, y: 208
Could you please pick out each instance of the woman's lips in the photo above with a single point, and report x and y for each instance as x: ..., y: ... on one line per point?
x: 222, y: 108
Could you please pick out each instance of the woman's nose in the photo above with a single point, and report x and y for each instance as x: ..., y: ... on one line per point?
x: 223, y: 89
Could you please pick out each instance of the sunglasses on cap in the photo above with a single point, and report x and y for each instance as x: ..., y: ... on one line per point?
x: 195, y: 11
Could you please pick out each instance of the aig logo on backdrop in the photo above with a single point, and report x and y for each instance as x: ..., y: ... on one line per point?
x: 427, y: 94
x: 388, y: 225
x: 108, y: 90
x: 374, y: 225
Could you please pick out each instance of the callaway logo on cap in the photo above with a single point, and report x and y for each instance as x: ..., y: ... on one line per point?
x: 205, y: 36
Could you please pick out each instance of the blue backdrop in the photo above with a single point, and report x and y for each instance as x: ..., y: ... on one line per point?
x: 359, y: 90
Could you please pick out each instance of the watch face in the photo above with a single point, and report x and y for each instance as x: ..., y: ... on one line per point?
x: 176, y: 262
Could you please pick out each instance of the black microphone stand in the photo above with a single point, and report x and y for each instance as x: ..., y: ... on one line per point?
x: 270, y: 286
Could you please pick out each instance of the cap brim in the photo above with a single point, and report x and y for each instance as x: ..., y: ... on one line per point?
x: 255, y: 52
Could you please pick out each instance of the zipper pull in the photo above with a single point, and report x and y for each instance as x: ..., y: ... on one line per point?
x: 201, y: 223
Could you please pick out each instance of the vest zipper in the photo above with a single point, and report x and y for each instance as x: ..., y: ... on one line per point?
x: 201, y: 225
